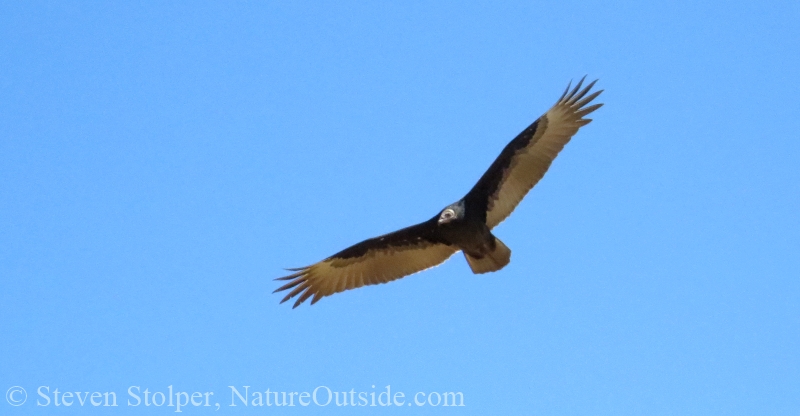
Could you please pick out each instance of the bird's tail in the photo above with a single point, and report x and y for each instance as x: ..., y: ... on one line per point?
x: 491, y: 261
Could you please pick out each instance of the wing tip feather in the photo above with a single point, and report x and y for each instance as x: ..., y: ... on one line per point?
x: 574, y: 99
x: 588, y: 110
x: 577, y: 87
x: 565, y: 91
x: 571, y: 97
x: 301, y: 278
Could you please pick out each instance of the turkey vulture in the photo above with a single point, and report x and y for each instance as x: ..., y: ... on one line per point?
x: 463, y: 226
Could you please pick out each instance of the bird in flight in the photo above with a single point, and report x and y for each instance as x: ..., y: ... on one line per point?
x: 462, y: 226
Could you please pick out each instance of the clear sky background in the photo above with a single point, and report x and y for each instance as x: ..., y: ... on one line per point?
x: 160, y: 163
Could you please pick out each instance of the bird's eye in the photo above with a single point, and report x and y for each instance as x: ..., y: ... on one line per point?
x: 448, y: 215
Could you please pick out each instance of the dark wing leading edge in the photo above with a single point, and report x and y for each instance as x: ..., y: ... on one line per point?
x: 370, y: 262
x: 524, y: 161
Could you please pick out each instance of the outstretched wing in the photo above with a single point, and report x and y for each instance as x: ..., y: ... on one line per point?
x: 370, y: 262
x: 524, y: 161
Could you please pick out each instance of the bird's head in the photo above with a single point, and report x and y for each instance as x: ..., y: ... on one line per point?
x: 452, y: 212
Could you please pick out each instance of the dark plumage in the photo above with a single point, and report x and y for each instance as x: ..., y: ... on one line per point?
x: 463, y: 226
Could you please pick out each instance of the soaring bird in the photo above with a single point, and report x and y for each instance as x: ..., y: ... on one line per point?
x: 465, y: 225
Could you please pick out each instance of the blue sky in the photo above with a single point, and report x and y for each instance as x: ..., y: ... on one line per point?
x: 160, y: 163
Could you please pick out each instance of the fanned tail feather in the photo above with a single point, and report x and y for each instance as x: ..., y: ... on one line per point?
x: 492, y: 261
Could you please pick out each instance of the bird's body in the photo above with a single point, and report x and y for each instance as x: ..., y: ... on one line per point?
x: 462, y: 226
x: 469, y: 232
